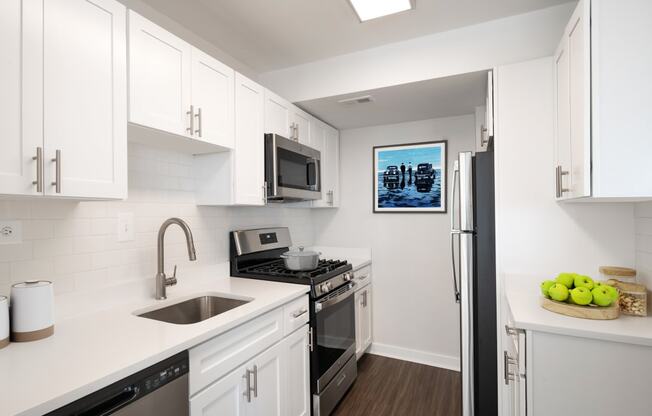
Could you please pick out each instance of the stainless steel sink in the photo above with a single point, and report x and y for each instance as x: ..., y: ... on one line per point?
x: 194, y: 310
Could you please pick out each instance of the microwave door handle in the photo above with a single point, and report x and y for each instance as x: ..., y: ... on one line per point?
x: 274, y: 168
x: 315, y: 162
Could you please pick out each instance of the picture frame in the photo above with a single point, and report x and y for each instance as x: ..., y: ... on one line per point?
x: 410, y: 178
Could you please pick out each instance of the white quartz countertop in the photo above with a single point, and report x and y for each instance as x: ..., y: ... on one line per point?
x: 524, y: 300
x: 90, y: 351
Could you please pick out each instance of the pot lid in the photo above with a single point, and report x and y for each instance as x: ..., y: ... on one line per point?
x: 301, y: 253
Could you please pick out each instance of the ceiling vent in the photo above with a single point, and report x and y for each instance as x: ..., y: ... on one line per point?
x: 364, y: 99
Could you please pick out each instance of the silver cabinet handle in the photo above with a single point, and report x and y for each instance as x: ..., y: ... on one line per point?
x: 191, y: 113
x: 560, y: 173
x: 265, y: 192
x: 310, y: 342
x: 57, y: 180
x: 297, y: 131
x: 484, y: 139
x: 198, y: 115
x: 298, y: 313
x: 512, y: 331
x: 247, y: 392
x: 255, y: 380
x: 39, y: 169
x: 331, y: 198
x: 292, y: 131
x: 507, y: 361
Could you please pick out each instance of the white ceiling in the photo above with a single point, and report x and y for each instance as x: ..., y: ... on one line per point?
x: 273, y: 34
x: 442, y: 97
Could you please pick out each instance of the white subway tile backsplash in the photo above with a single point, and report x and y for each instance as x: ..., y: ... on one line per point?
x: 75, y: 243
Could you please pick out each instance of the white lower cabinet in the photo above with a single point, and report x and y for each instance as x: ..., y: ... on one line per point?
x: 274, y: 382
x: 363, y: 308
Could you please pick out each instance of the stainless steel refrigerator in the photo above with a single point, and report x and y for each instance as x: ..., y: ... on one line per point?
x: 473, y: 234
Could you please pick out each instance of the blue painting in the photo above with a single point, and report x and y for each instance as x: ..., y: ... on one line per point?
x: 410, y: 178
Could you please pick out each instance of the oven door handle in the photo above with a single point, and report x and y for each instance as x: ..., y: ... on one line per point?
x: 324, y: 304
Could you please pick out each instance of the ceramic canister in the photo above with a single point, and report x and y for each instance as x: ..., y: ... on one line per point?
x: 4, y: 321
x: 32, y: 310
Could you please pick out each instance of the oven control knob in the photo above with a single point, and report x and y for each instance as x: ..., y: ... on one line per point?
x: 325, y: 287
x: 348, y: 277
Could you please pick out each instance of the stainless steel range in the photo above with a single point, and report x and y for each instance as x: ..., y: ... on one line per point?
x: 256, y: 254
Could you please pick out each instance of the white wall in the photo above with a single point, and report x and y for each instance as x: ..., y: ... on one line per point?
x: 536, y: 235
x: 75, y: 243
x: 468, y: 49
x: 644, y: 243
x: 415, y: 314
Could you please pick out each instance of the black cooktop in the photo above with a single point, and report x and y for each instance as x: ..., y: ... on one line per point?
x: 275, y: 270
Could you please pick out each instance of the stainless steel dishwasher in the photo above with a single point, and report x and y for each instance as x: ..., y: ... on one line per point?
x: 159, y: 390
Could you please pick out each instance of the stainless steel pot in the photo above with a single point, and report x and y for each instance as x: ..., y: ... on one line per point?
x: 300, y: 260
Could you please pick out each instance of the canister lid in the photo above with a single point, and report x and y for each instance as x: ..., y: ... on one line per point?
x: 31, y: 284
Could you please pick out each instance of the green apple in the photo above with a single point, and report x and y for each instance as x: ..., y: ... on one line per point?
x: 601, y: 296
x: 566, y: 279
x: 545, y: 285
x: 583, y: 281
x: 581, y: 296
x: 558, y: 292
x: 613, y: 292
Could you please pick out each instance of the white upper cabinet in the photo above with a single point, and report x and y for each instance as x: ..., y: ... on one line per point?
x: 178, y: 89
x: 19, y: 139
x: 159, y: 77
x: 278, y: 115
x: 85, y: 96
x: 602, y: 115
x: 64, y: 107
x: 212, y: 99
x: 237, y: 177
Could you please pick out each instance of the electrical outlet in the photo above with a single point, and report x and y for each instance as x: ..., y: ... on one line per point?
x: 126, y: 230
x: 11, y: 232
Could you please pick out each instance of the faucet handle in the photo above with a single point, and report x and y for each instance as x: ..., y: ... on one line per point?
x: 171, y: 281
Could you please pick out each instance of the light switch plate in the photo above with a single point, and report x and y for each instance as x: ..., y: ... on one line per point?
x: 11, y: 232
x: 126, y: 230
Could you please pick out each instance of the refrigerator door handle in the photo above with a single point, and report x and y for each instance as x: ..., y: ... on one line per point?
x: 454, y: 232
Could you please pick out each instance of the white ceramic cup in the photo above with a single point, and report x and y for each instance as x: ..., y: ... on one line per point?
x: 32, y: 310
x: 4, y: 321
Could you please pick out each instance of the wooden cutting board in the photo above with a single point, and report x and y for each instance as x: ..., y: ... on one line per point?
x: 584, y: 312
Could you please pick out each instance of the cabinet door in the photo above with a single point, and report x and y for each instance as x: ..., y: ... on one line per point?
x: 224, y: 397
x: 249, y: 174
x: 489, y: 105
x: 268, y: 382
x: 277, y: 115
x: 332, y: 163
x: 301, y: 122
x: 159, y: 77
x: 562, y: 166
x: 298, y: 373
x: 85, y: 98
x: 358, y: 323
x: 580, y: 96
x: 212, y: 100
x: 365, y: 330
x: 19, y: 138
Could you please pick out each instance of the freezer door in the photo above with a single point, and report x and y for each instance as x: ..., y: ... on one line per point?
x: 466, y: 289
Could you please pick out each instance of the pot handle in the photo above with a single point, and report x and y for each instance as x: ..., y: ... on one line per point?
x: 283, y: 256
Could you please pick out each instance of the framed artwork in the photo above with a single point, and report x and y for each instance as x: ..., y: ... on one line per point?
x: 410, y: 177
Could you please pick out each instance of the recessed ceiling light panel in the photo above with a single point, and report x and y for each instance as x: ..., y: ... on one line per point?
x: 372, y: 9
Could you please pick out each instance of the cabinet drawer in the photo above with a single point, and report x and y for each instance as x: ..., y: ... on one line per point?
x: 218, y: 356
x: 295, y: 314
x: 362, y: 277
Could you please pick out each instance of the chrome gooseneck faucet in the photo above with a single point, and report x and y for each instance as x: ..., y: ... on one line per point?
x: 162, y: 282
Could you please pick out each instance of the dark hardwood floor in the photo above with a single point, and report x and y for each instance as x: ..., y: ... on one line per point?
x: 386, y: 386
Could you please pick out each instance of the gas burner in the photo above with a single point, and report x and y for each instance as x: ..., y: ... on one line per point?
x: 278, y: 269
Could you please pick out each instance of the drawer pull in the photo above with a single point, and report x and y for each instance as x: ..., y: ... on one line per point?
x: 298, y: 313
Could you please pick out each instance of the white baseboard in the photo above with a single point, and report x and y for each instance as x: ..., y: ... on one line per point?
x: 416, y: 356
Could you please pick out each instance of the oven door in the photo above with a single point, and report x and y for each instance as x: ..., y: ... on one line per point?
x: 334, y: 335
x: 292, y: 170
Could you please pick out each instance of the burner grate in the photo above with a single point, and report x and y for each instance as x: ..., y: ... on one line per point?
x: 277, y: 268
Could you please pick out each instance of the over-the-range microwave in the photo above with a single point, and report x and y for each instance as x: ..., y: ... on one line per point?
x: 292, y: 170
